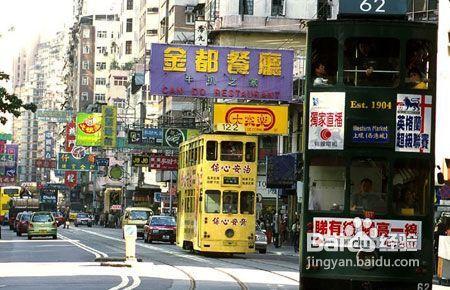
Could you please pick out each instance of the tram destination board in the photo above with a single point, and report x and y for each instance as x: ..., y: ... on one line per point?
x: 371, y: 8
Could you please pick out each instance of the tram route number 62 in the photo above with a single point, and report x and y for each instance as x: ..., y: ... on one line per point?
x: 373, y: 5
x: 423, y: 286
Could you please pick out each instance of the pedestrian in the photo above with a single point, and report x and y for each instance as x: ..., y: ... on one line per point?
x: 296, y: 235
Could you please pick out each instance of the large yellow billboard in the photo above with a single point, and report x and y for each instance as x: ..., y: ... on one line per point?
x: 264, y: 120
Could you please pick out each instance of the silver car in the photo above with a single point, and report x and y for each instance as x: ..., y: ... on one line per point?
x: 260, y: 240
x: 83, y: 219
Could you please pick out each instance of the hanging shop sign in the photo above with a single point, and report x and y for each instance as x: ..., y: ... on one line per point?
x: 160, y: 162
x: 134, y: 136
x: 140, y: 160
x: 101, y: 161
x: 152, y: 136
x: 326, y: 121
x: 56, y: 116
x: 255, y: 119
x: 71, y: 178
x: 221, y: 72
x: 116, y: 172
x: 174, y: 136
x: 66, y: 161
x: 89, y: 129
x: 49, y: 145
x: 45, y: 163
x: 413, y: 123
x: 70, y: 136
x: 109, y: 126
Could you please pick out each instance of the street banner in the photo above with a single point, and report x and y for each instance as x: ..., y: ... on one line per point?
x: 55, y: 116
x: 100, y: 161
x: 140, y: 160
x: 70, y: 136
x: 67, y: 161
x: 326, y: 121
x: 174, y: 136
x: 255, y: 119
x: 71, y: 178
x: 152, y: 136
x: 2, y: 146
x: 221, y: 72
x: 109, y: 126
x: 161, y: 162
x: 89, y: 129
x: 413, y: 123
x: 49, y: 195
x: 49, y: 145
x: 5, y: 136
x: 45, y: 163
x: 134, y: 136
x: 8, y: 163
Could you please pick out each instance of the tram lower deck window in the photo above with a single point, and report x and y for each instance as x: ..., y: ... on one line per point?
x: 212, y: 201
x: 327, y: 184
x: 247, y: 202
x: 230, y: 201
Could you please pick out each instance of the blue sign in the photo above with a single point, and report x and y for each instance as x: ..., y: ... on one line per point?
x: 102, y: 161
x: 152, y: 136
x: 49, y: 145
x: 370, y: 134
x: 281, y: 171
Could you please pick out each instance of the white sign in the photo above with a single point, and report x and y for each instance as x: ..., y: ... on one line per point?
x: 413, y: 123
x: 201, y: 33
x: 326, y: 120
x: 387, y: 235
x: 261, y: 188
x: 130, y: 231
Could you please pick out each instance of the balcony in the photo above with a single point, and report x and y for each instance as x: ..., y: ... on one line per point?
x: 258, y: 24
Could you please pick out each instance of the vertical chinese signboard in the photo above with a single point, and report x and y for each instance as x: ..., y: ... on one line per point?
x: 70, y: 136
x: 221, y: 72
x: 49, y: 145
x: 109, y: 126
x: 413, y: 123
x: 255, y: 119
x: 8, y: 163
x: 89, y: 129
x: 326, y: 121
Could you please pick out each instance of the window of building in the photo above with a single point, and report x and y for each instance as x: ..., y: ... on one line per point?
x: 129, y: 4
x: 324, y: 61
x: 85, y: 80
x: 129, y: 27
x: 101, y: 49
x: 326, y: 183
x: 84, y: 96
x: 190, y: 18
x: 211, y: 150
x: 101, y: 34
x: 246, y: 7
x: 152, y: 10
x: 152, y: 32
x: 86, y: 33
x: 372, y: 62
x: 250, y: 151
x: 368, y: 185
x: 212, y: 201
x: 230, y: 201
x: 100, y: 81
x: 86, y: 49
x: 231, y: 151
x: 418, y: 56
x: 247, y: 202
x: 101, y: 65
x: 277, y: 7
x: 85, y: 64
x: 99, y: 97
x: 119, y: 103
x: 120, y: 81
x: 128, y: 47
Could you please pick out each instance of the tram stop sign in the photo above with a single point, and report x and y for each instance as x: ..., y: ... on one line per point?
x: 130, y: 231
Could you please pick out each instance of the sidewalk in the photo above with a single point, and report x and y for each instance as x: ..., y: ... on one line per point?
x: 284, y: 250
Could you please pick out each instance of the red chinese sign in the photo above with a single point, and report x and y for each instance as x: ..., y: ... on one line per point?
x: 70, y: 178
x: 45, y: 163
x: 161, y: 162
x: 70, y: 136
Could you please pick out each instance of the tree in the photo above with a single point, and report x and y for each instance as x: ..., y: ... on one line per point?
x: 11, y: 103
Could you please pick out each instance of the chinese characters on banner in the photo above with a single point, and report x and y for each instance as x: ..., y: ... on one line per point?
x: 67, y: 161
x: 109, y: 126
x: 70, y: 136
x: 403, y: 235
x: 71, y: 178
x: 89, y: 129
x: 45, y: 163
x: 413, y: 123
x: 160, y: 162
x: 326, y: 120
x: 49, y: 145
x: 8, y: 163
x: 255, y: 119
x: 221, y: 72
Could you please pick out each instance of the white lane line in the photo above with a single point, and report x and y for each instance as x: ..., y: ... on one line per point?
x: 95, y: 252
x: 136, y: 283
x: 122, y: 284
x: 36, y: 241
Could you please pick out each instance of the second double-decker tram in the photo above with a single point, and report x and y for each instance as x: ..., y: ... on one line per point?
x: 216, y: 193
x: 367, y: 217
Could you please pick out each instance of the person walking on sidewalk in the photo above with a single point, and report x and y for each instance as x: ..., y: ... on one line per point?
x: 296, y: 235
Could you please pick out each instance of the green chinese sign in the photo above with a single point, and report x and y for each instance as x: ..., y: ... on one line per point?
x: 89, y: 129
x: 5, y: 136
x: 66, y: 161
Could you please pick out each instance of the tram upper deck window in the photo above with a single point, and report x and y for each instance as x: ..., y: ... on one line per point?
x: 247, y: 202
x: 417, y: 64
x: 250, y: 151
x: 411, y: 186
x: 324, y: 61
x: 327, y: 184
x: 372, y: 62
x: 211, y: 150
x: 230, y: 201
x: 369, y: 185
x: 212, y: 201
x: 231, y: 151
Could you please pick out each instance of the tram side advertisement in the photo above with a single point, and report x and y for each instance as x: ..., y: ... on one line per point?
x: 326, y: 120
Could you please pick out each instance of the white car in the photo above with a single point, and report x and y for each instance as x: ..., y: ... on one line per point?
x: 260, y: 240
x: 83, y: 219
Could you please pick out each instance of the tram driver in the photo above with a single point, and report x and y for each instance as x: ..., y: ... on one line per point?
x: 365, y: 199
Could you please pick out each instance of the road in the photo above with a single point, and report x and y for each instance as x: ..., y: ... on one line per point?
x: 70, y: 261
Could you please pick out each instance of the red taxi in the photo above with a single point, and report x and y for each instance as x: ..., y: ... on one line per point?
x: 160, y: 228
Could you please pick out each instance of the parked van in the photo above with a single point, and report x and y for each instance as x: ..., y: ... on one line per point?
x: 137, y: 216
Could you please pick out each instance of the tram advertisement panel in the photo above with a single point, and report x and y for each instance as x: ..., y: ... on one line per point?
x: 326, y: 120
x: 413, y: 123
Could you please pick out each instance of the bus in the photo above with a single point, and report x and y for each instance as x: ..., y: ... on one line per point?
x: 217, y: 178
x: 368, y: 184
x: 6, y: 193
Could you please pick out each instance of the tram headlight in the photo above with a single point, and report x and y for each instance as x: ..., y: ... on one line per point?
x: 229, y: 233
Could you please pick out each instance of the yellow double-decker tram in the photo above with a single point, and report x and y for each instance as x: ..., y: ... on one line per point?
x: 216, y: 193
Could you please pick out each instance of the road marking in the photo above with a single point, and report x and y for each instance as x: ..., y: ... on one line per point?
x: 136, y: 283
x: 122, y: 284
x: 93, y: 251
x: 37, y: 241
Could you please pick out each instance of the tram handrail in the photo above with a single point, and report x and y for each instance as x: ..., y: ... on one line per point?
x: 374, y: 71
